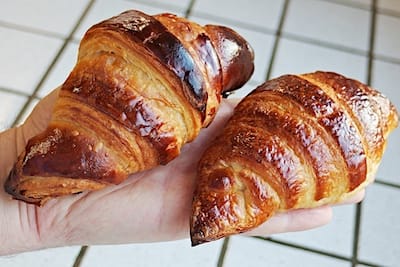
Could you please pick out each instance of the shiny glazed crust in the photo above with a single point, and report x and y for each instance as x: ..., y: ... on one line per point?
x: 142, y: 87
x: 297, y: 141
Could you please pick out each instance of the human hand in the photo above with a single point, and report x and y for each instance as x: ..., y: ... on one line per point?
x: 150, y: 206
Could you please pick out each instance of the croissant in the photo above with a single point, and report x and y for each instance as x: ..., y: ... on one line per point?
x: 297, y: 141
x: 142, y: 87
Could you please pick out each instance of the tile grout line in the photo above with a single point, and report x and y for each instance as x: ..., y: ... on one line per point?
x: 371, y: 45
x: 358, y: 214
x: 241, y: 24
x: 222, y: 253
x: 302, y: 247
x: 278, y: 35
x: 356, y: 235
x: 388, y: 184
x: 325, y: 44
x: 15, y: 92
x: 189, y: 9
x: 387, y: 59
x: 382, y: 10
x: 312, y: 250
x: 27, y: 29
x: 346, y: 3
x: 52, y: 64
x: 160, y: 4
x: 80, y: 256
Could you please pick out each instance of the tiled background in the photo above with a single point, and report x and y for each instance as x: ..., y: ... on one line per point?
x: 358, y: 38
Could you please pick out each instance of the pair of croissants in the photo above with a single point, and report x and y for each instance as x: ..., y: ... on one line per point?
x: 144, y: 86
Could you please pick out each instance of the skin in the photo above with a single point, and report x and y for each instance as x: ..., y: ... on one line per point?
x: 151, y: 206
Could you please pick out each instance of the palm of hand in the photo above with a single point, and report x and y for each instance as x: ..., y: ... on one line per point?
x: 152, y: 205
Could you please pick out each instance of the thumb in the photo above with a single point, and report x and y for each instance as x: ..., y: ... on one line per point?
x: 40, y: 115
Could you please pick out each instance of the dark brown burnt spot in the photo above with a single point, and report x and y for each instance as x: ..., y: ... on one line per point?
x: 146, y: 30
x: 235, y: 54
x: 60, y: 152
x: 317, y: 103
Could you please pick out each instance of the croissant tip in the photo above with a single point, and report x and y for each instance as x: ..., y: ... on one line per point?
x: 197, y: 241
x: 19, y: 195
x: 197, y: 237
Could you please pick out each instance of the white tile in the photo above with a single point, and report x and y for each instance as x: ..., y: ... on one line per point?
x: 380, y: 230
x: 386, y: 79
x: 336, y: 237
x: 57, y: 257
x: 10, y: 105
x: 363, y: 3
x: 251, y: 252
x: 183, y: 4
x: 261, y: 13
x: 24, y: 58
x: 387, y: 41
x: 175, y: 253
x: 59, y: 73
x: 104, y: 9
x: 261, y: 43
x: 297, y: 57
x: 388, y: 170
x: 393, y: 5
x: 358, y: 3
x: 53, y: 16
x: 328, y: 22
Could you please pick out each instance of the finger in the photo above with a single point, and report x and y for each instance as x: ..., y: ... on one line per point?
x: 296, y: 220
x: 232, y: 101
x: 353, y: 199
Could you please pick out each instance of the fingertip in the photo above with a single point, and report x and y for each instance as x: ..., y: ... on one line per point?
x: 293, y: 221
x: 354, y: 199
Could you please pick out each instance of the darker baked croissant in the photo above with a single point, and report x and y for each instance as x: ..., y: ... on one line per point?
x: 143, y: 86
x: 297, y: 141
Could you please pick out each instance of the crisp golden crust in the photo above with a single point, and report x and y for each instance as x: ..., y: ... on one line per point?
x: 297, y: 141
x: 139, y: 91
x: 317, y: 103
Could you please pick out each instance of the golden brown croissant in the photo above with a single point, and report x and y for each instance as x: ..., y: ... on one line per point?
x: 297, y: 141
x: 142, y: 87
